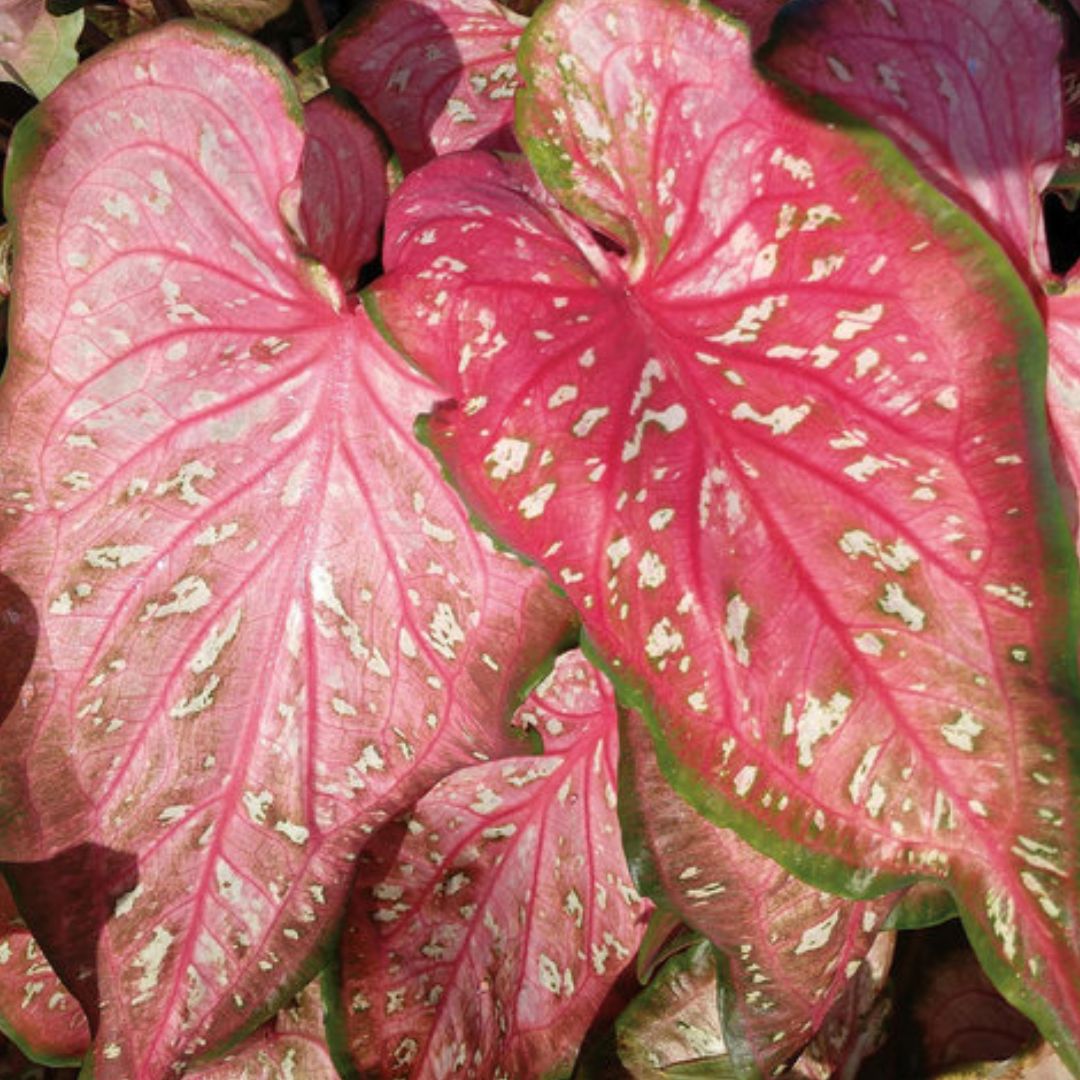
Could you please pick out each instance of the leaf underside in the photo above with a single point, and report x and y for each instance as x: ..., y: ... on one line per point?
x: 787, y: 457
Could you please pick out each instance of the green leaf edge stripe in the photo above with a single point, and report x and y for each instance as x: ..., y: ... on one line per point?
x: 995, y: 273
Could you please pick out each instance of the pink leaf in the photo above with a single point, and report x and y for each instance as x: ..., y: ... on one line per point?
x: 35, y: 1007
x: 293, y: 1044
x: 344, y: 187
x: 787, y: 457
x: 791, y: 950
x: 856, y: 1026
x: 970, y: 91
x: 266, y: 624
x: 438, y: 75
x: 37, y: 50
x: 488, y: 933
x: 675, y: 1021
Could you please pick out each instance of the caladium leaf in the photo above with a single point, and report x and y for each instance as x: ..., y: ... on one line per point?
x: 344, y: 172
x: 36, y: 1010
x: 438, y: 75
x: 787, y: 457
x: 971, y: 92
x: 674, y: 1024
x: 791, y: 949
x: 855, y: 1027
x: 487, y: 937
x: 265, y: 623
x: 37, y: 50
x: 246, y: 15
x: 292, y: 1045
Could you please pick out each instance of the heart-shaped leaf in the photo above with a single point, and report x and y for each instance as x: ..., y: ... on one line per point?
x: 788, y: 459
x: 970, y: 91
x: 791, y: 950
x: 486, y: 935
x: 438, y: 75
x: 265, y: 622
x: 344, y: 171
x: 36, y: 1009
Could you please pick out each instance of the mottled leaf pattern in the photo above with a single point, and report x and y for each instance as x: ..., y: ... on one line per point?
x: 292, y: 1046
x: 438, y: 75
x: 970, y: 91
x: 791, y: 950
x: 855, y: 1027
x: 675, y: 1021
x: 265, y: 622
x: 787, y: 458
x: 37, y: 50
x: 344, y: 171
x: 35, y: 1008
x: 483, y: 940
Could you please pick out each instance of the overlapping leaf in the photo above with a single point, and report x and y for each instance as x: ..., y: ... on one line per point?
x: 791, y: 950
x: 674, y: 1025
x: 35, y: 1008
x: 482, y: 940
x: 438, y: 75
x: 971, y: 92
x: 264, y: 621
x: 292, y: 1046
x: 37, y: 49
x: 787, y: 457
x: 344, y: 171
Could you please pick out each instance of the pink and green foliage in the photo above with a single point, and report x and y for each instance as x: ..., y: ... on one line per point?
x: 484, y: 934
x: 765, y: 407
x: 291, y: 1045
x: 344, y: 177
x: 265, y: 623
x: 438, y: 75
x: 791, y: 951
x: 971, y: 92
x: 36, y: 1011
x: 855, y: 1027
x: 676, y: 1021
x: 37, y: 50
x: 785, y: 456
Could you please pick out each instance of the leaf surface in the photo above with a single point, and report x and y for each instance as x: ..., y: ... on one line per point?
x: 344, y: 177
x: 36, y: 1010
x: 674, y: 1023
x: 788, y: 459
x: 265, y: 621
x: 438, y: 75
x: 37, y: 50
x: 791, y: 950
x: 490, y: 930
x: 291, y: 1045
x: 970, y: 91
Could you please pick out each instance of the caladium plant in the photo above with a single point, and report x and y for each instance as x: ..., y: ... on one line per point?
x: 767, y: 454
x: 762, y: 406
